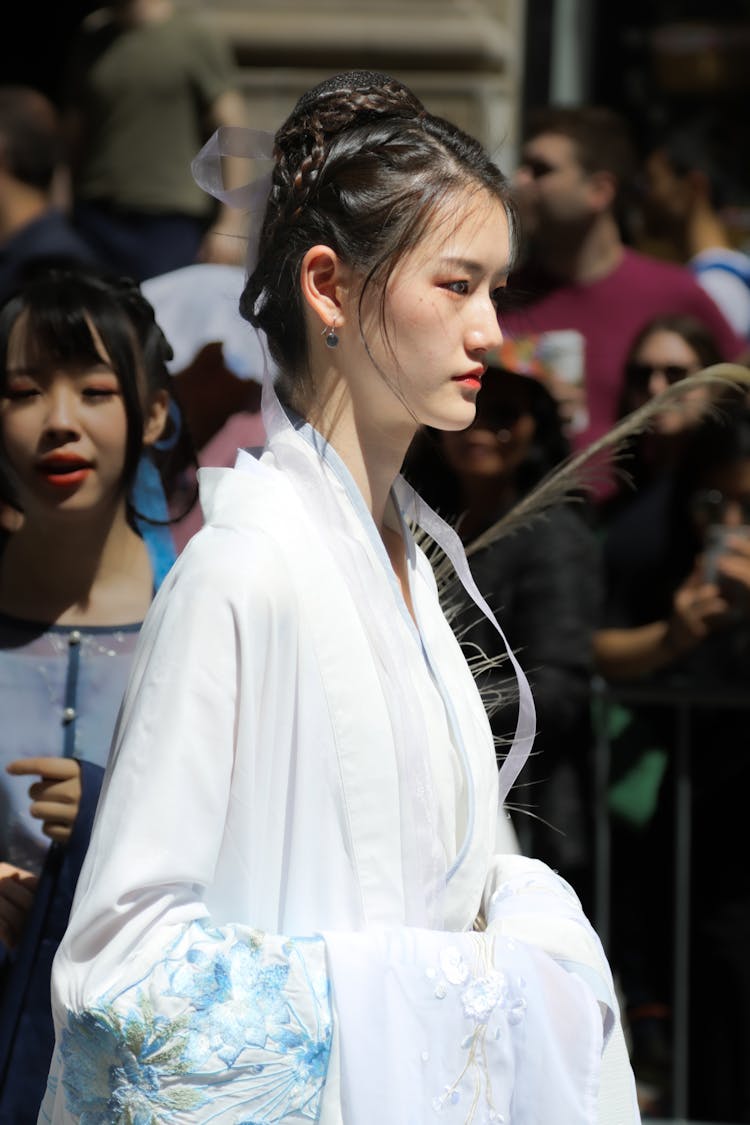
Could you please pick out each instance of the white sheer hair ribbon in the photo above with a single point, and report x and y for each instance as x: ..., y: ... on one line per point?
x: 415, y: 509
x: 216, y: 169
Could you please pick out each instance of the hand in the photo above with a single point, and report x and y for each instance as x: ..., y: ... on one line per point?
x: 55, y: 799
x: 697, y: 608
x: 570, y: 398
x: 734, y: 565
x: 10, y: 518
x: 16, y: 897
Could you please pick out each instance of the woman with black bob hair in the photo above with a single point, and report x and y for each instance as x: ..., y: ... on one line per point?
x: 84, y: 403
x: 292, y: 907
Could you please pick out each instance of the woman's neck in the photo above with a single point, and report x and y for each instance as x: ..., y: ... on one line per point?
x: 93, y: 572
x: 372, y: 453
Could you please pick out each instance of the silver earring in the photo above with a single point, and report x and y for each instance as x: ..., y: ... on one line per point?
x: 332, y: 340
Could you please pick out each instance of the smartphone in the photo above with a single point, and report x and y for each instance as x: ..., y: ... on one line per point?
x: 717, y: 535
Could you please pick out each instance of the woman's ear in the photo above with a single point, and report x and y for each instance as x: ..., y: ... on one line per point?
x: 155, y: 418
x: 325, y: 283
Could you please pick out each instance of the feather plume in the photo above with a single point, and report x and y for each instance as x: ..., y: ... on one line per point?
x: 579, y: 473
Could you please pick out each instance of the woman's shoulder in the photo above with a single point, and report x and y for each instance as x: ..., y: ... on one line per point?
x: 244, y: 552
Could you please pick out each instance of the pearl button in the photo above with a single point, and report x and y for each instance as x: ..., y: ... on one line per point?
x: 74, y: 638
x: 69, y: 714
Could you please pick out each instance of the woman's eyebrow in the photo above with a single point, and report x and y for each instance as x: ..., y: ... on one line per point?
x: 472, y: 267
x: 463, y: 264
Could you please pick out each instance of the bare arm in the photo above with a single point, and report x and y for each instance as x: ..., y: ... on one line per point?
x: 627, y: 654
x: 225, y: 241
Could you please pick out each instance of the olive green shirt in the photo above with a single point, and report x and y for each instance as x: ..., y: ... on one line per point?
x: 143, y: 96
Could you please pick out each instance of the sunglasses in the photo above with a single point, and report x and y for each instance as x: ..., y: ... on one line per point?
x: 639, y: 374
x: 708, y: 506
x: 537, y: 168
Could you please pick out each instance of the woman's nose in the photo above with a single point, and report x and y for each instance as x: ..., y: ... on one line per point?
x: 62, y: 416
x: 657, y: 383
x: 485, y: 332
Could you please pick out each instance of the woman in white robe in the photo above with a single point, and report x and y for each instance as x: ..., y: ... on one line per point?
x: 293, y: 907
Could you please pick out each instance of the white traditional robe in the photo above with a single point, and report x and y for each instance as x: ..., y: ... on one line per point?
x: 296, y: 835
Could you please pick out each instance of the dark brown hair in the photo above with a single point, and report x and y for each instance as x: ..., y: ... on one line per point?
x: 31, y: 143
x: 694, y: 332
x: 602, y: 138
x: 360, y: 166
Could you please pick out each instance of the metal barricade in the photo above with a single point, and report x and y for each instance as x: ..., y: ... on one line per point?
x: 682, y: 700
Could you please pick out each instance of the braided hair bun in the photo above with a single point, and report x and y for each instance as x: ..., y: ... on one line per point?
x: 367, y: 83
x: 334, y: 106
x: 361, y: 167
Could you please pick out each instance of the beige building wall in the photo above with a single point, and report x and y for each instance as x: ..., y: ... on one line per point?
x: 462, y: 57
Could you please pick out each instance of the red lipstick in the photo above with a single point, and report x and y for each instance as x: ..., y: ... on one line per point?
x: 63, y: 470
x: 471, y: 378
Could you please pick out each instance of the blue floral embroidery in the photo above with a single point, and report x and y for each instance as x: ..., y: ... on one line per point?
x: 114, y: 1068
x: 249, y: 1028
x: 217, y: 988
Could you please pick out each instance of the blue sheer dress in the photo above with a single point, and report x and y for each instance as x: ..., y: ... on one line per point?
x: 60, y: 692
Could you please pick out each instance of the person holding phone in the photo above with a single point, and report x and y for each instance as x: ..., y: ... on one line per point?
x: 678, y: 623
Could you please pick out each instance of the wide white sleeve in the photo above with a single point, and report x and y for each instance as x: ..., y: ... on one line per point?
x: 526, y: 901
x: 471, y: 1027
x: 162, y: 1015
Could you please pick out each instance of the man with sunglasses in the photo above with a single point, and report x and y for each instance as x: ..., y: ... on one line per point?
x: 578, y: 274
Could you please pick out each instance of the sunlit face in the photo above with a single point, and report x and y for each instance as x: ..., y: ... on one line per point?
x: 664, y: 358
x: 498, y: 442
x: 441, y: 320
x: 64, y: 431
x: 551, y: 185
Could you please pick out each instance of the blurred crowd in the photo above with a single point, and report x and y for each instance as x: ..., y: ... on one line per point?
x: 638, y: 575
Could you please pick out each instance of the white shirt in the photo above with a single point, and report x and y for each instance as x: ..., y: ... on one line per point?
x: 725, y: 275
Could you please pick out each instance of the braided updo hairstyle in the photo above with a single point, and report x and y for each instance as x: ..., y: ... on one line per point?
x: 362, y: 167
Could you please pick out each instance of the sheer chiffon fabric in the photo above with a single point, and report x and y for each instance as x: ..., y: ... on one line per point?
x: 60, y: 690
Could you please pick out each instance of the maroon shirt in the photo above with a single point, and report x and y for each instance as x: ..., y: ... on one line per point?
x: 609, y: 314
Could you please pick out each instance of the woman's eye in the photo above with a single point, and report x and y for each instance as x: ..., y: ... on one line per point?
x: 99, y: 392
x: 18, y: 394
x: 461, y: 287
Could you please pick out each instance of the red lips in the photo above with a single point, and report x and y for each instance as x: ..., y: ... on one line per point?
x: 471, y: 378
x: 63, y: 470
